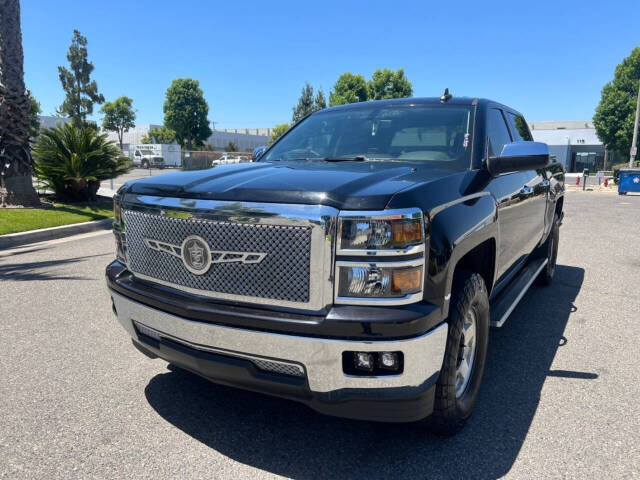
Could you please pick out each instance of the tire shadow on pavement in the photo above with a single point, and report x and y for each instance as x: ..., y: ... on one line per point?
x: 289, y: 439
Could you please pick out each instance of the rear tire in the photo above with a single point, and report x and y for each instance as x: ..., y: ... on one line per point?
x: 549, y: 250
x: 465, y: 355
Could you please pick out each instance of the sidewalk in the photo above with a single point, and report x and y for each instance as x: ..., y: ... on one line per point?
x: 106, y: 192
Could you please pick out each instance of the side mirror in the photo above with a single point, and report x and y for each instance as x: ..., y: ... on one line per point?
x: 257, y: 152
x: 518, y: 156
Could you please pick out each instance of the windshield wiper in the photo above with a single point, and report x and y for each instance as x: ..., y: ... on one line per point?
x: 357, y: 158
x: 280, y: 159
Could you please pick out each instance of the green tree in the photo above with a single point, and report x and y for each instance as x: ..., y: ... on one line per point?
x: 616, y: 111
x: 320, y: 102
x: 349, y: 88
x: 81, y: 92
x: 278, y: 131
x: 16, y: 187
x: 72, y: 160
x: 386, y: 83
x: 119, y: 116
x: 34, y: 116
x: 305, y: 104
x: 159, y: 135
x: 185, y: 112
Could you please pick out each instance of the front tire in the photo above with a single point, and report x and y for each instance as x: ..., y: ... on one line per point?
x: 465, y: 356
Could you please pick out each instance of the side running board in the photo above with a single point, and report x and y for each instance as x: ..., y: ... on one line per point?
x: 513, y: 293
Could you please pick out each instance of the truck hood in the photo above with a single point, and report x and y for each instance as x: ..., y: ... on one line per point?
x: 344, y: 185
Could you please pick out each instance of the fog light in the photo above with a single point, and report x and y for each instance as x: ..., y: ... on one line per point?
x: 364, y: 361
x: 389, y: 360
x: 149, y: 332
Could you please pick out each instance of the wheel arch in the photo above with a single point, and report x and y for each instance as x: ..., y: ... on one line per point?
x: 462, y: 236
x: 481, y: 259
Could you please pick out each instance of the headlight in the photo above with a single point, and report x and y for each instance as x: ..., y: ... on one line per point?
x: 372, y: 267
x: 379, y: 280
x: 121, y: 247
x: 116, y: 211
x: 118, y: 232
x: 386, y: 232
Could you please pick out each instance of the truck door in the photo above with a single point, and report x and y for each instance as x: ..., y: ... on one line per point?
x: 512, y: 192
x: 534, y: 190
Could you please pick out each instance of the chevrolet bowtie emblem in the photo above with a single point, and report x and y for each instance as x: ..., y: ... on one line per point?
x: 197, y: 257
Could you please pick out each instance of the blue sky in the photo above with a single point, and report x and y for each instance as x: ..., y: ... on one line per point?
x: 548, y: 59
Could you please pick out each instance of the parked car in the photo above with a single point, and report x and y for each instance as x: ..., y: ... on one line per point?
x: 355, y: 267
x: 229, y: 159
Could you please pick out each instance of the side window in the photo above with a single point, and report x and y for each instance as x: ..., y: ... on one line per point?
x: 497, y: 132
x: 519, y: 128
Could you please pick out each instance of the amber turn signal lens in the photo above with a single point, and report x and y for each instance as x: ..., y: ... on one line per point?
x: 407, y: 280
x: 406, y: 233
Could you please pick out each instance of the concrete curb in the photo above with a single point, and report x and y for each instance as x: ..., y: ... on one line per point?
x: 33, y: 236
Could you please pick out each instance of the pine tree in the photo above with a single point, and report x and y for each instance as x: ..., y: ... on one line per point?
x: 320, y: 101
x: 81, y: 91
x: 305, y: 104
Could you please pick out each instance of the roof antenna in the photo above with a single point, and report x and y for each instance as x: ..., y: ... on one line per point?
x: 445, y: 96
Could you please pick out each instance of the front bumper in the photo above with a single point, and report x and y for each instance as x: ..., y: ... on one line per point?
x: 232, y: 356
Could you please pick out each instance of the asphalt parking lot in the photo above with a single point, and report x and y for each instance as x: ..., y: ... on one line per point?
x: 559, y: 398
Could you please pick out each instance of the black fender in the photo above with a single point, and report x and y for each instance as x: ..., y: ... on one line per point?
x: 454, y: 230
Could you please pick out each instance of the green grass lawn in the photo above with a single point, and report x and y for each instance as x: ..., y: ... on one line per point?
x: 13, y: 220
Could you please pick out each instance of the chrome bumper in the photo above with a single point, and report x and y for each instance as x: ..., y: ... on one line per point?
x: 320, y: 358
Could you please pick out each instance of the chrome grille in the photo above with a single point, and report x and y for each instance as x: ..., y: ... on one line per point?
x: 277, y: 367
x: 283, y: 274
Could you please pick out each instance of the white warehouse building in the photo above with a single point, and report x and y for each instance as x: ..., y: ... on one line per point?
x: 245, y: 139
x: 574, y: 144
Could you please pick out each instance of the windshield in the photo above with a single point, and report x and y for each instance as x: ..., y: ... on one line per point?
x: 414, y: 133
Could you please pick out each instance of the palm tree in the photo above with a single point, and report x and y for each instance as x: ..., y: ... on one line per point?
x: 72, y: 161
x: 16, y: 186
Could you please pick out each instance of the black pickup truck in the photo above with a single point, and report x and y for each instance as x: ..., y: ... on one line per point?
x: 355, y: 266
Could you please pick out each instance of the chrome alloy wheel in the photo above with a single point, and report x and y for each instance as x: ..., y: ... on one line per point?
x: 466, y: 353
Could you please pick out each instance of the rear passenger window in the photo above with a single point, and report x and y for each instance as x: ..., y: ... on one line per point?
x: 519, y: 128
x: 497, y: 132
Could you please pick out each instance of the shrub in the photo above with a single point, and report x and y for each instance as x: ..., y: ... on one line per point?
x: 72, y: 160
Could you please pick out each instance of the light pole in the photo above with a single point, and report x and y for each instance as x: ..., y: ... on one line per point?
x: 634, y: 143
